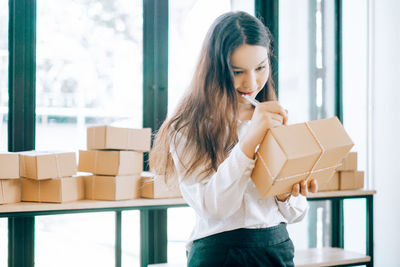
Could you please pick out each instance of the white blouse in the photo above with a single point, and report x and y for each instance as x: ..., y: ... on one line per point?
x: 228, y: 199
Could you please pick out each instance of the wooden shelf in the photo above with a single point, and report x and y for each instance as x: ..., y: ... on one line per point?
x: 98, y: 204
x: 341, y: 193
x: 328, y: 257
x: 87, y: 204
x: 312, y: 257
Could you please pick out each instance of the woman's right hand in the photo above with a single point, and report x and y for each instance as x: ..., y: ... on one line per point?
x: 266, y: 115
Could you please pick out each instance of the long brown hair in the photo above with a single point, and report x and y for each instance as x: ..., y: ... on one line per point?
x: 207, y: 115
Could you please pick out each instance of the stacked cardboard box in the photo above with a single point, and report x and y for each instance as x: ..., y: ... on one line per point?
x: 155, y: 186
x: 350, y: 177
x: 50, y: 177
x: 346, y: 177
x: 10, y: 189
x: 115, y: 158
x: 290, y: 154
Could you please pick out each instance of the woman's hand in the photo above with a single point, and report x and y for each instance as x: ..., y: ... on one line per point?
x: 266, y: 115
x: 300, y: 188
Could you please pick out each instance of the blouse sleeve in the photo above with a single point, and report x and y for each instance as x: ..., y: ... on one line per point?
x: 219, y: 195
x: 294, y: 209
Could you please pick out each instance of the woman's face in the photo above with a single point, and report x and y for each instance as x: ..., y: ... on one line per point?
x: 250, y: 68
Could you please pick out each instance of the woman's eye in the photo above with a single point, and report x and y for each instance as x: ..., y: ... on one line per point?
x: 260, y: 68
x: 237, y: 72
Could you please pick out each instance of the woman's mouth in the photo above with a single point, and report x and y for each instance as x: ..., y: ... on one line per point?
x: 246, y: 93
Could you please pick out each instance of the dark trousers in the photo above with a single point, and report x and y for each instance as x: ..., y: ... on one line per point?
x: 244, y: 247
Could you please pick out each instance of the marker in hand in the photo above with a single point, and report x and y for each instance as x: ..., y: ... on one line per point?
x: 252, y: 101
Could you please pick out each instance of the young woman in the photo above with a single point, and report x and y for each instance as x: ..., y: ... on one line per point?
x: 209, y: 144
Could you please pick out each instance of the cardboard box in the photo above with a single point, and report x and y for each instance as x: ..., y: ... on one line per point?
x: 56, y: 190
x: 105, y: 162
x: 154, y: 186
x: 9, y: 165
x: 108, y: 137
x: 331, y: 185
x: 45, y: 165
x: 351, y: 180
x: 349, y: 163
x: 112, y: 187
x: 10, y: 191
x: 290, y: 154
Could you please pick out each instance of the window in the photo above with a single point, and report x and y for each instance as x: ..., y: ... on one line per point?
x: 294, y: 59
x: 83, y: 78
x: 89, y: 71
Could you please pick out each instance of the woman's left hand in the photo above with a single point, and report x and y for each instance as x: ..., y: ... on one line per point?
x: 300, y: 188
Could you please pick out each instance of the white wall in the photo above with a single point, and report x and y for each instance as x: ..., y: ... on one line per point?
x: 386, y: 130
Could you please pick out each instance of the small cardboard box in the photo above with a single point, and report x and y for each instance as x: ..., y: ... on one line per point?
x: 108, y: 137
x: 289, y: 154
x: 331, y: 185
x: 349, y: 163
x: 10, y: 191
x: 107, y: 162
x: 112, y: 187
x: 45, y: 165
x: 56, y: 190
x: 9, y: 165
x: 155, y: 186
x: 351, y: 180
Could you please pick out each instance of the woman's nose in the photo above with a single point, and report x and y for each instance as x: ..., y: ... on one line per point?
x: 250, y: 81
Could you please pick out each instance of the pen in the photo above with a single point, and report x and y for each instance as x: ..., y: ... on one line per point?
x: 252, y: 101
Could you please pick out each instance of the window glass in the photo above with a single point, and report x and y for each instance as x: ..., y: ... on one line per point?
x: 84, y: 239
x: 89, y: 68
x: 294, y: 59
x: 89, y: 72
x: 181, y: 222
